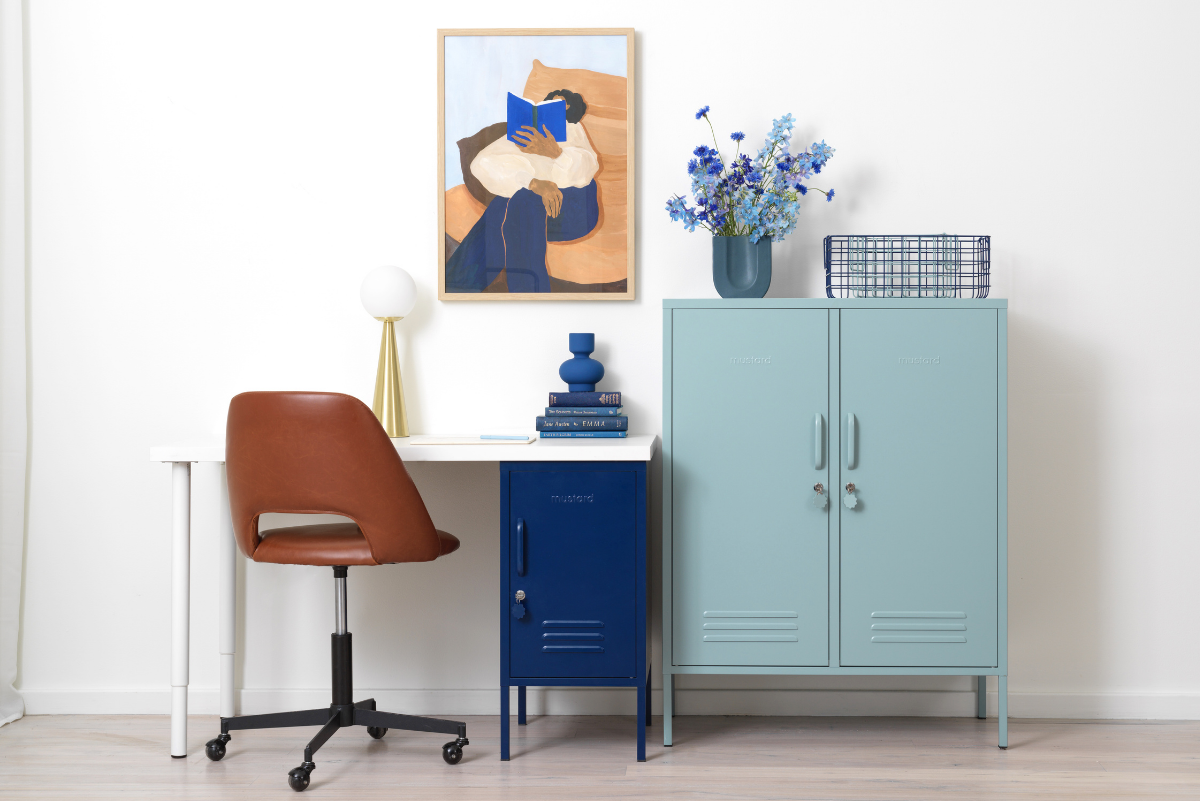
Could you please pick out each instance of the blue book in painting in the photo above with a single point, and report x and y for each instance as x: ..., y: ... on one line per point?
x: 581, y: 434
x: 585, y: 399
x: 593, y: 423
x: 549, y: 113
x: 589, y: 411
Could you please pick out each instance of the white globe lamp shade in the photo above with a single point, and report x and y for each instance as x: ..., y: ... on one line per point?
x: 388, y: 292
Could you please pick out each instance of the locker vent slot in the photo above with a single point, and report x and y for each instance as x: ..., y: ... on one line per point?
x: 750, y: 638
x: 574, y: 635
x: 748, y: 624
x: 919, y: 625
x: 574, y: 649
x: 759, y: 614
x: 758, y: 622
x: 572, y: 624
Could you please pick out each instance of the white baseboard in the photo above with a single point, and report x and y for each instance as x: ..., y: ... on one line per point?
x: 619, y: 701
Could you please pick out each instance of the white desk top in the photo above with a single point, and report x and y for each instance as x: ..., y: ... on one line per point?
x: 634, y: 448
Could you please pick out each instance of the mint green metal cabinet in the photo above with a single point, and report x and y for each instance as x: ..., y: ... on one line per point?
x: 897, y: 410
x: 750, y: 378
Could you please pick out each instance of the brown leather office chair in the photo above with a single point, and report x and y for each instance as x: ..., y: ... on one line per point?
x: 325, y: 453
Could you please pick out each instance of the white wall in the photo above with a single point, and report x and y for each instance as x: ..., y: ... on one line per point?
x: 212, y: 180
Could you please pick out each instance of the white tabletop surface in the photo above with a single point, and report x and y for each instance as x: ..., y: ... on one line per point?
x: 634, y: 448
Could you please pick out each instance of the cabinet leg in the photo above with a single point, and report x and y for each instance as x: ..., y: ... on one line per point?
x: 981, y: 697
x: 504, y: 722
x: 668, y: 706
x: 642, y: 702
x: 649, y: 686
x: 1002, y: 711
x: 521, y: 705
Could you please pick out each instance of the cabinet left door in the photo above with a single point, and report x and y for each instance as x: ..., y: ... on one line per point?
x: 572, y: 538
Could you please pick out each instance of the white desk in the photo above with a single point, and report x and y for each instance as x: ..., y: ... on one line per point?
x: 634, y: 448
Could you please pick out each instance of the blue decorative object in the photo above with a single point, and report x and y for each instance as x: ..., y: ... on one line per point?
x: 582, y: 372
x: 741, y: 268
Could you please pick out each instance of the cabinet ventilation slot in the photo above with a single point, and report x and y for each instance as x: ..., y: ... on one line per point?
x: 749, y: 624
x: 574, y: 649
x: 920, y: 626
x: 572, y: 624
x: 750, y: 638
x: 572, y: 635
x: 764, y: 614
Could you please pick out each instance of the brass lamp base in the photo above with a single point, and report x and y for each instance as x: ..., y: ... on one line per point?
x: 389, y: 390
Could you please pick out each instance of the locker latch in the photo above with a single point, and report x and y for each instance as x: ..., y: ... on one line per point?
x: 518, y: 608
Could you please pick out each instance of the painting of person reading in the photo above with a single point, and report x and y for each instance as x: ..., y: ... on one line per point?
x: 545, y: 191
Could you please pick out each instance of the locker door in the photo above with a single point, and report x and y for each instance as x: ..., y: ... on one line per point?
x: 750, y: 565
x: 918, y: 553
x: 572, y: 536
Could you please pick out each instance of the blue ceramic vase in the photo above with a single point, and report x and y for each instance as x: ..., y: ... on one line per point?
x: 741, y: 268
x: 582, y: 372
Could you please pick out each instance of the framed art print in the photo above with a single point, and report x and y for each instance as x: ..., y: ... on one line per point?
x: 535, y: 164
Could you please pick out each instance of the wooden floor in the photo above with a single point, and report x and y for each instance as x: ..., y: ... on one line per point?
x: 82, y: 756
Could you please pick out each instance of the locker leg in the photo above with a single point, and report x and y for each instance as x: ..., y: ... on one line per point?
x: 649, y: 673
x: 981, y: 697
x: 1002, y: 713
x: 642, y: 699
x: 521, y: 705
x: 504, y: 722
x: 668, y: 706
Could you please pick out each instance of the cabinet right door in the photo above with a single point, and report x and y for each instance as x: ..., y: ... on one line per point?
x: 919, y: 550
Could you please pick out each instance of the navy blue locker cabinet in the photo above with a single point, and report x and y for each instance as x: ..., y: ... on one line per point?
x: 573, y: 606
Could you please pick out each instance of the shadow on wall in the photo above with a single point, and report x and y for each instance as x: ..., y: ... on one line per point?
x: 1056, y: 509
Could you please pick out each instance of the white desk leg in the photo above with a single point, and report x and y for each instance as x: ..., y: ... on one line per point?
x: 181, y: 508
x: 228, y: 589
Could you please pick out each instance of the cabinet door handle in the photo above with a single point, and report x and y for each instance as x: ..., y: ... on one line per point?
x: 818, y: 442
x: 520, y: 546
x: 851, y: 441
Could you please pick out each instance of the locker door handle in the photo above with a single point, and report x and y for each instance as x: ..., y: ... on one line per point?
x: 818, y: 442
x: 520, y: 546
x: 851, y: 441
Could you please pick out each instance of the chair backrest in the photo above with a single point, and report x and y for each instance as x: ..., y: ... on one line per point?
x: 322, y: 453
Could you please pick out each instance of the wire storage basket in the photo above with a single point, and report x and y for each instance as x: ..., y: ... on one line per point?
x: 937, y: 266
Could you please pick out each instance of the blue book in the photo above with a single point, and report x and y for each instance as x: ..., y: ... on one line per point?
x: 549, y: 113
x: 585, y: 399
x: 580, y: 434
x: 590, y: 411
x: 581, y: 423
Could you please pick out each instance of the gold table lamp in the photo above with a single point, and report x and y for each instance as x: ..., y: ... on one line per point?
x: 389, y: 294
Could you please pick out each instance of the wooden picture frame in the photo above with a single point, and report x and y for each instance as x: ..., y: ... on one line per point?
x: 585, y: 267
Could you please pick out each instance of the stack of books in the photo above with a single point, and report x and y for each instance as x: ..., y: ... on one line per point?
x: 583, y: 414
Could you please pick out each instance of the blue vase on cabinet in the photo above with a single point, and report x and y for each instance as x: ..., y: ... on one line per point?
x: 582, y: 372
x: 741, y: 268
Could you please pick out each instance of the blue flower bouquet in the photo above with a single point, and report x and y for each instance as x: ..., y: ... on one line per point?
x: 748, y: 203
x: 750, y: 197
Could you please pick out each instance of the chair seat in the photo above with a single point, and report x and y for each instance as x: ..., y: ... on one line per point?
x: 325, y: 545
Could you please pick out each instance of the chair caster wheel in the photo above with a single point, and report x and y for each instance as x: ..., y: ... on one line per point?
x: 452, y: 752
x: 214, y: 749
x: 298, y: 778
x: 377, y: 731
